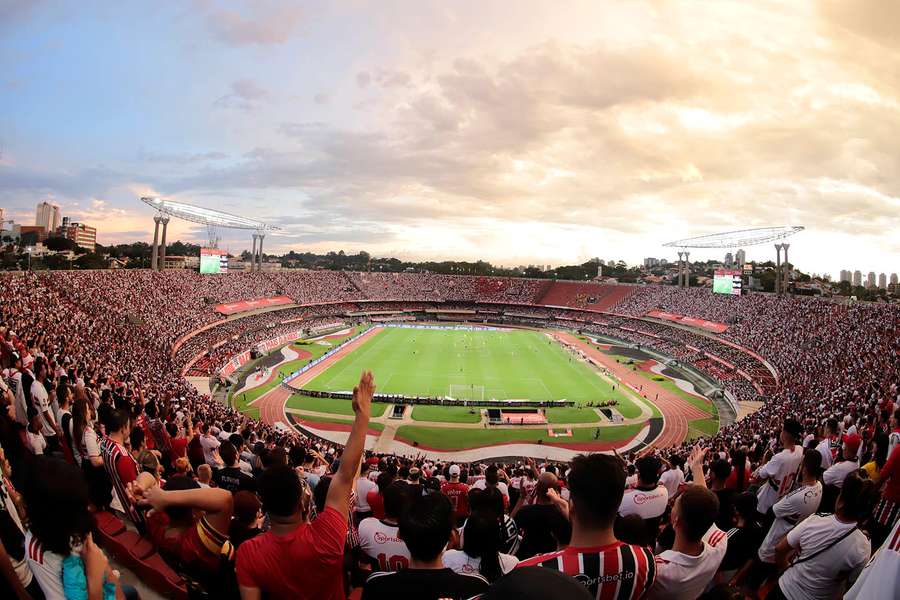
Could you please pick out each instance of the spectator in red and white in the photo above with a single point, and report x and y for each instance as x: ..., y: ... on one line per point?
x: 686, y: 570
x: 121, y: 468
x: 545, y: 522
x: 268, y: 563
x: 458, y: 493
x: 894, y: 436
x: 822, y: 552
x: 776, y: 477
x: 648, y: 500
x: 209, y: 441
x: 607, y: 567
x: 830, y: 444
x: 482, y: 541
x: 887, y: 512
x: 881, y: 576
x: 41, y: 401
x: 379, y: 540
x: 837, y: 473
x: 800, y: 503
x: 364, y: 485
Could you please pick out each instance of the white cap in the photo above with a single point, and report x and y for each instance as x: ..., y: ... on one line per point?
x: 454, y: 471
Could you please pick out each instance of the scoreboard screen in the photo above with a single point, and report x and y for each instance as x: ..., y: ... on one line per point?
x: 213, y: 260
x: 727, y: 282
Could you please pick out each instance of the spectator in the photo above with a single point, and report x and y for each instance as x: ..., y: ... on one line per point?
x: 210, y: 442
x: 606, y: 566
x: 881, y: 576
x: 823, y: 550
x: 267, y: 564
x: 536, y: 583
x: 364, y: 485
x: 425, y: 528
x: 689, y: 567
x: 837, y: 473
x: 743, y: 540
x: 16, y: 580
x: 121, y: 468
x: 830, y: 444
x: 458, y: 493
x: 790, y: 510
x: 648, y: 499
x: 247, y: 520
x: 776, y: 477
x: 545, y: 523
x: 481, y: 549
x: 231, y: 477
x: 204, y: 475
x: 379, y: 539
x: 673, y: 476
x: 195, y: 541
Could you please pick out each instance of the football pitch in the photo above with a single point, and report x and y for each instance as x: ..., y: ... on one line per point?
x: 505, y: 364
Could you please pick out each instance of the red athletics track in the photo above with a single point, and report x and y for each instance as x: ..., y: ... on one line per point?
x: 676, y: 411
x: 271, y: 405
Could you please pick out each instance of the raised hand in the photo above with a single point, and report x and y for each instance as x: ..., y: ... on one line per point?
x: 363, y: 393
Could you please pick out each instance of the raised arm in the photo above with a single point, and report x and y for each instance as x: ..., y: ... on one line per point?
x: 696, y: 460
x: 339, y: 491
x: 217, y: 503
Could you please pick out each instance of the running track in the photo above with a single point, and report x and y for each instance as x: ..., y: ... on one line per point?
x: 676, y: 411
x: 271, y: 405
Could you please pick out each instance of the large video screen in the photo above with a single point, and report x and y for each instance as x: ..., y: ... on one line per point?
x: 727, y: 282
x: 213, y: 260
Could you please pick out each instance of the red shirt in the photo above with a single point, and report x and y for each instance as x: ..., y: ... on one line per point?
x: 616, y: 571
x: 305, y: 564
x: 188, y: 545
x: 178, y: 448
x: 459, y: 497
x: 891, y: 472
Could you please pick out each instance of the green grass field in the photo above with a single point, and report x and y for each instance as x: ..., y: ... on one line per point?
x: 336, y: 406
x: 508, y: 364
x: 455, y: 439
x: 446, y: 414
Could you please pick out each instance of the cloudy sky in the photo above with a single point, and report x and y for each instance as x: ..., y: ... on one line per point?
x: 519, y: 132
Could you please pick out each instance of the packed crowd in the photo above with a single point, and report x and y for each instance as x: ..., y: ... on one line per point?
x: 97, y: 419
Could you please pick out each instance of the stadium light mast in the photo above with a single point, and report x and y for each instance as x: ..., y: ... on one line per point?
x: 739, y: 239
x: 213, y: 219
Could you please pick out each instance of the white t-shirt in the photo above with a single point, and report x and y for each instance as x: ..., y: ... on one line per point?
x: 680, y: 575
x: 37, y: 442
x: 816, y: 579
x: 836, y: 473
x: 881, y: 577
x: 363, y: 487
x: 631, y: 481
x: 824, y: 449
x: 380, y: 541
x: 779, y: 472
x: 671, y: 479
x: 646, y: 504
x: 46, y: 567
x: 41, y: 402
x: 210, y: 444
x: 464, y: 564
x: 790, y: 510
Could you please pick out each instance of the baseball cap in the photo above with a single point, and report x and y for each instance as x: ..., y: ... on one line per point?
x: 852, y: 441
x: 793, y: 427
x: 454, y: 471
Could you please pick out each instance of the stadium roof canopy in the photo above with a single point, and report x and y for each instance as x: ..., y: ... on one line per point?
x: 734, y: 239
x: 206, y: 216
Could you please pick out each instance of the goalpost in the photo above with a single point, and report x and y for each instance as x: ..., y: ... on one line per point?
x: 466, y: 391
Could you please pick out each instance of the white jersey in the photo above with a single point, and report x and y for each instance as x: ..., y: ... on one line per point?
x: 779, y: 473
x: 671, y: 479
x: 680, y: 575
x: 380, y: 542
x: 19, y: 566
x: 363, y: 487
x: 817, y: 578
x: 645, y: 504
x: 789, y: 511
x: 47, y: 568
x: 464, y: 564
x: 836, y: 473
x: 482, y: 484
x: 824, y: 449
x: 881, y: 577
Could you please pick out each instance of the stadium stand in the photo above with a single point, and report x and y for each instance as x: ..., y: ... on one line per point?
x: 111, y: 452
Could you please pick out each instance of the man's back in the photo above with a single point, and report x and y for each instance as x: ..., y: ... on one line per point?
x: 621, y: 571
x: 305, y: 563
x: 680, y: 575
x: 423, y: 584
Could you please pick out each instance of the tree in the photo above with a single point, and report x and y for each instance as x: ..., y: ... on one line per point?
x: 91, y: 261
x: 60, y: 244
